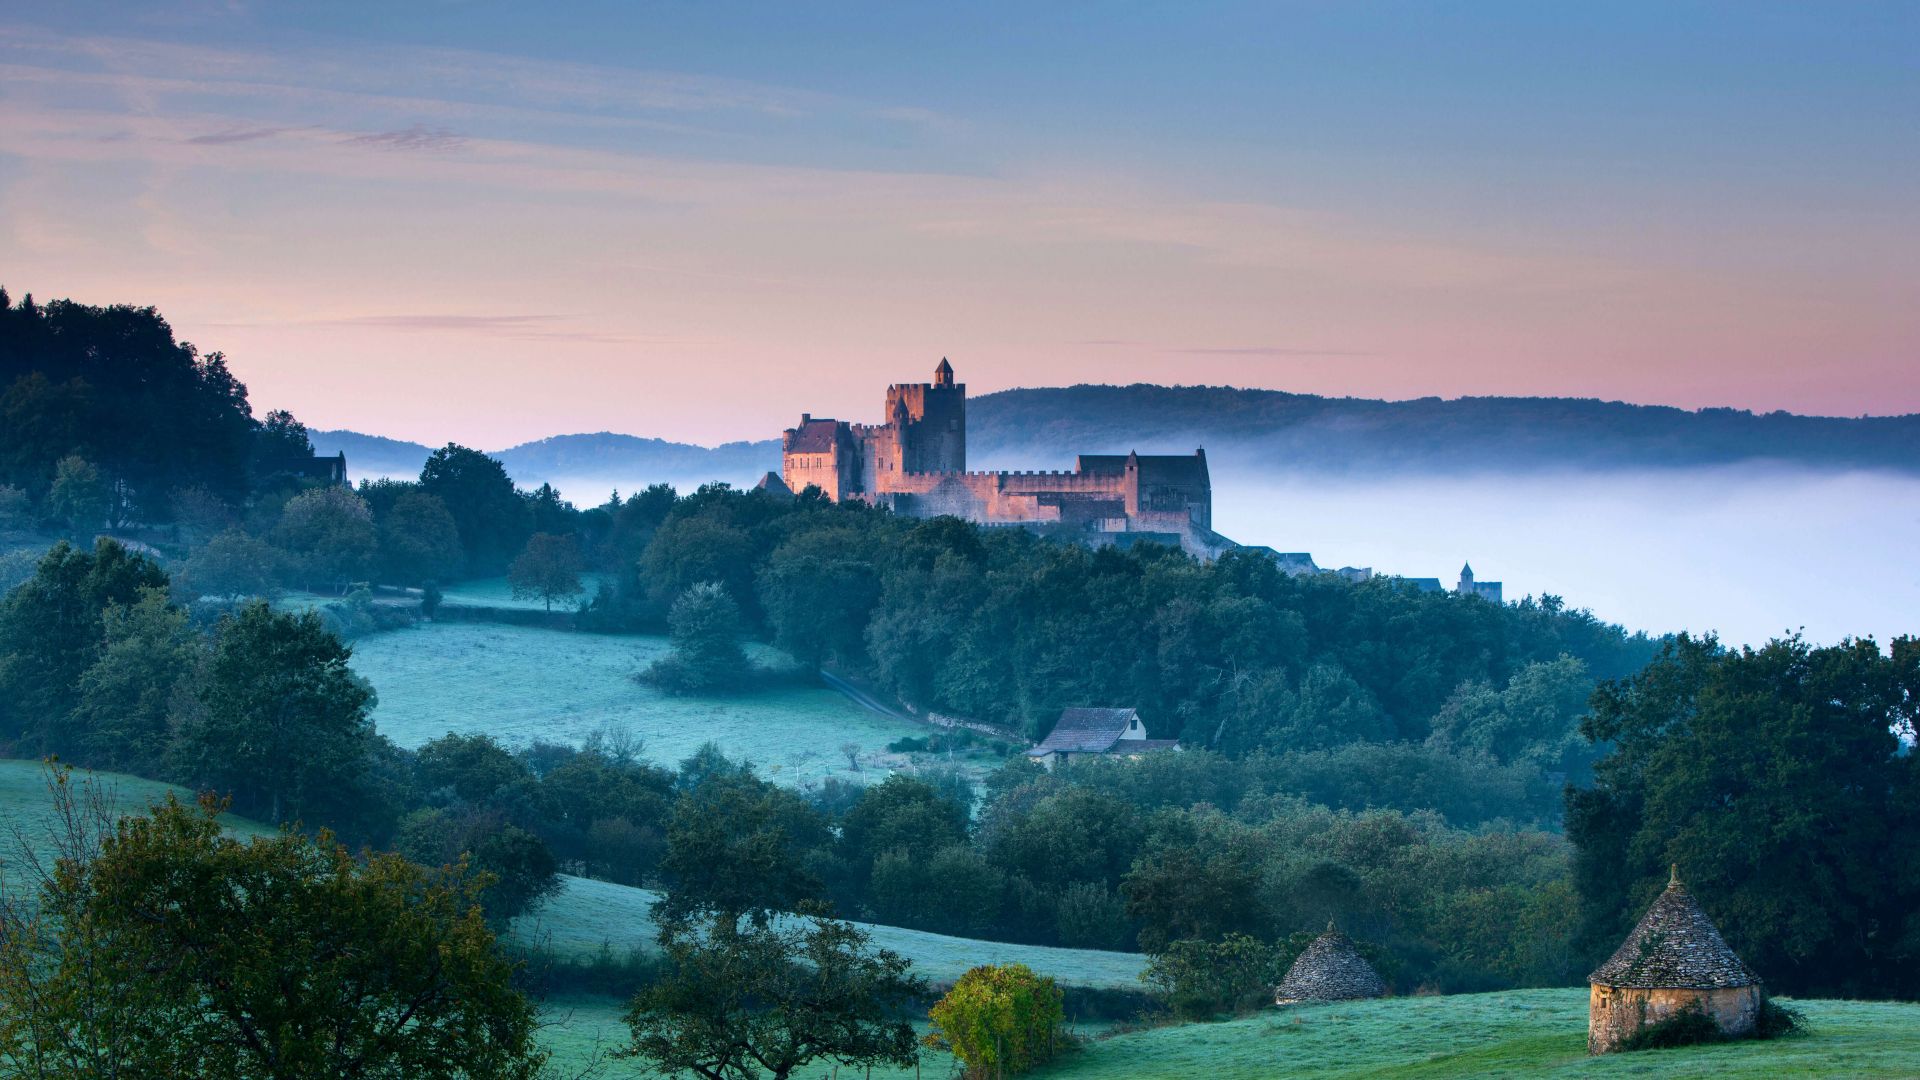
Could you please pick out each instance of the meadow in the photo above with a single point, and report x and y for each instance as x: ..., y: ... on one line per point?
x: 588, y: 914
x: 496, y: 592
x: 27, y: 812
x: 1520, y: 1033
x: 520, y: 684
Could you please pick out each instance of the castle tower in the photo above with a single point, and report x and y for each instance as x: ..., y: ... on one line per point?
x: 930, y: 422
x: 1466, y: 579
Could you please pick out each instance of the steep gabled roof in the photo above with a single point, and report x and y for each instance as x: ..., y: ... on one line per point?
x: 1087, y: 731
x: 1330, y: 969
x: 773, y: 485
x: 1675, y: 946
x: 814, y: 437
x: 1181, y: 470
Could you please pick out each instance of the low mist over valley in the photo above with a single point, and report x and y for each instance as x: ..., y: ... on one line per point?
x: 1658, y: 518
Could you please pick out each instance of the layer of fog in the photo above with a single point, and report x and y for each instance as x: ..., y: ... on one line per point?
x: 1748, y: 552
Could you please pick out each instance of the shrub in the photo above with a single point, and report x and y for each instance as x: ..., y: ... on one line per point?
x: 1777, y: 1021
x: 1202, y: 979
x: 1690, y: 1026
x: 1000, y: 1020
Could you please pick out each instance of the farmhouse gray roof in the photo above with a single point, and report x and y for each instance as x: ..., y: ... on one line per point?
x: 1330, y: 969
x: 1675, y: 946
x: 1087, y: 731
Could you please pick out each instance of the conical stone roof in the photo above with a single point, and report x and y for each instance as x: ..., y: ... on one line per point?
x: 1330, y: 969
x: 1676, y: 946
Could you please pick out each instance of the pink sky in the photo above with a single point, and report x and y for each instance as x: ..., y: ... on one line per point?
x: 419, y: 262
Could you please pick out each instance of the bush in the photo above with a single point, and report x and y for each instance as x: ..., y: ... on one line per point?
x: 1690, y: 1026
x: 1777, y: 1021
x: 1000, y: 1020
x: 1199, y: 980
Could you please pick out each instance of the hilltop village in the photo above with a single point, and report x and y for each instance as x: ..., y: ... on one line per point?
x: 915, y: 463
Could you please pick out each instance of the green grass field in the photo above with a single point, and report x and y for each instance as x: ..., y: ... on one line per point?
x: 495, y: 592
x: 1522, y: 1033
x: 588, y: 914
x: 26, y: 806
x: 524, y: 683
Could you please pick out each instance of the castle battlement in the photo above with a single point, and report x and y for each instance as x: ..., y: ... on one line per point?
x: 915, y: 463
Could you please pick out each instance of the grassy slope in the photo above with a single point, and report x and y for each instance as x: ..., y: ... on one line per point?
x: 523, y: 683
x: 26, y: 806
x: 1521, y: 1033
x: 590, y: 913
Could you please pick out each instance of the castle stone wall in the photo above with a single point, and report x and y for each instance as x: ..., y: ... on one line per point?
x: 915, y: 463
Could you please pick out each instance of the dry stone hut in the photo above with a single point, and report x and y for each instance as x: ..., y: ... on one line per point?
x: 1673, y: 959
x: 1330, y: 969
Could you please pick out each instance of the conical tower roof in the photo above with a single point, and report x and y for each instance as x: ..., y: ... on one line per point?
x: 1676, y: 946
x: 1330, y: 969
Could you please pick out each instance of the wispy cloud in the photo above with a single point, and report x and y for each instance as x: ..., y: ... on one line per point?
x: 1267, y: 350
x: 418, y: 137
x: 517, y: 327
x: 239, y: 135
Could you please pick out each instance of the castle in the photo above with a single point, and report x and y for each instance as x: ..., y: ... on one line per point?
x: 916, y: 464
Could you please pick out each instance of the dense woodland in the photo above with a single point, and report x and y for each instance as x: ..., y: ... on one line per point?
x: 1397, y: 761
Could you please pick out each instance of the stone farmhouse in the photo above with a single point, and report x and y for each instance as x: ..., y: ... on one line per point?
x: 1673, y: 959
x: 1083, y: 732
x: 916, y: 464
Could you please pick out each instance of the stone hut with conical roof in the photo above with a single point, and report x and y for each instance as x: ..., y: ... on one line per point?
x: 1330, y: 969
x: 1674, y: 958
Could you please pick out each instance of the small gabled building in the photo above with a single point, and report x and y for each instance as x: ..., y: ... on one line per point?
x: 1083, y: 732
x: 1675, y: 958
x: 1330, y: 969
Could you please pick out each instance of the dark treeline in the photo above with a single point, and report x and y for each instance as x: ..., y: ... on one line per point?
x: 1008, y: 627
x: 105, y: 419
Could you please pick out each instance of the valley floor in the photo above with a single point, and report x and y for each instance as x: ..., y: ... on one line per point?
x: 1514, y: 1034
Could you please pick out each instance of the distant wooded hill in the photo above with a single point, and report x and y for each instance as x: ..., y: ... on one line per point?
x: 1267, y: 429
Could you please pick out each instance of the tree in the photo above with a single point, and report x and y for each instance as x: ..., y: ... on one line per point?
x: 16, y: 509
x: 1202, y: 979
x: 52, y: 630
x: 518, y: 871
x: 281, y: 447
x: 1778, y: 781
x: 163, y: 948
x: 818, y: 590
x: 127, y: 696
x: 199, y: 515
x: 419, y: 541
x: 328, y: 531
x: 705, y: 639
x: 548, y: 570
x: 742, y: 1001
x: 692, y: 550
x: 282, y: 722
x: 79, y: 497
x: 493, y: 519
x: 473, y: 768
x: 738, y: 846
x: 1000, y: 1019
x: 232, y: 565
x: 901, y: 813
